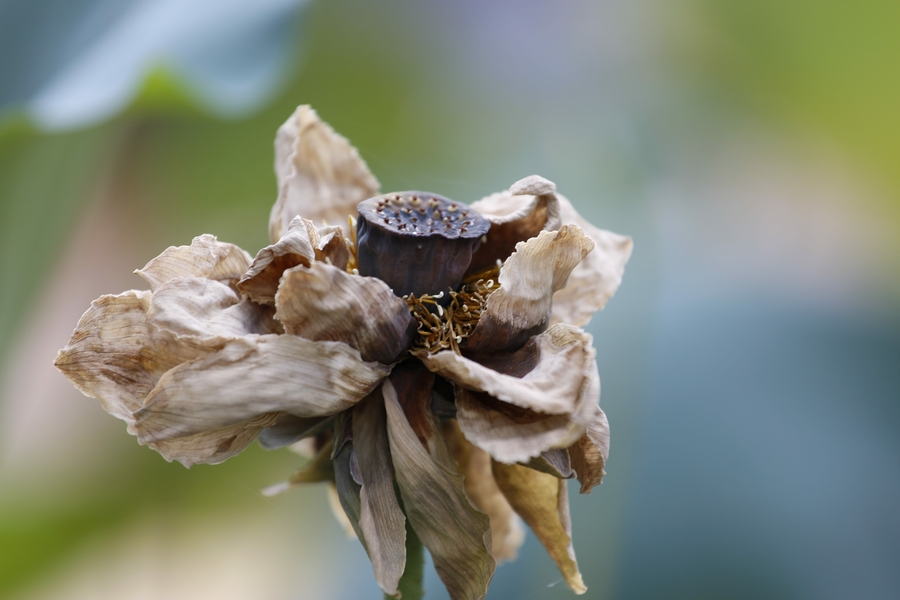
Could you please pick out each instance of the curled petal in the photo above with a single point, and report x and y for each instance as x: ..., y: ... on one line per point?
x: 206, y: 257
x: 381, y: 521
x: 590, y: 452
x: 474, y: 464
x: 521, y: 307
x: 457, y: 535
x: 596, y: 278
x: 320, y: 175
x: 289, y: 429
x: 543, y: 502
x: 253, y: 375
x: 325, y: 303
x: 553, y: 386
x: 518, y: 214
x: 296, y: 247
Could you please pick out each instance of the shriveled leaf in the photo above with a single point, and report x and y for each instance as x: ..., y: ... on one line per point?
x: 381, y: 521
x: 596, y: 278
x: 320, y: 174
x: 457, y: 535
x: 326, y: 303
x: 474, y: 464
x: 528, y: 279
x: 254, y: 375
x: 518, y: 214
x: 206, y: 257
x: 543, y: 502
x: 590, y: 452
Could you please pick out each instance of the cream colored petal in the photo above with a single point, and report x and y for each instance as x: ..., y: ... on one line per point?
x: 528, y: 279
x: 325, y: 303
x: 381, y: 521
x: 255, y: 375
x: 590, y: 452
x: 542, y: 501
x: 106, y: 359
x: 518, y: 214
x: 474, y: 464
x: 596, y: 278
x: 206, y: 257
x: 215, y: 446
x: 332, y: 247
x: 553, y: 386
x: 457, y: 535
x: 205, y: 310
x: 320, y: 175
x: 296, y: 247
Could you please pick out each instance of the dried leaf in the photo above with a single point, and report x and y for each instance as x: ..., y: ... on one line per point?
x: 543, y: 502
x: 596, y: 278
x: 320, y: 174
x: 325, y: 303
x: 528, y: 279
x: 457, y: 535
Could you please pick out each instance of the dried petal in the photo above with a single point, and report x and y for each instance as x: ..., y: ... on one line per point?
x: 381, y: 521
x: 518, y: 214
x: 254, y: 375
x: 214, y: 446
x: 596, y: 278
x: 542, y: 501
x: 457, y: 535
x: 289, y: 429
x: 516, y: 418
x: 206, y: 257
x: 297, y: 247
x: 320, y: 175
x: 325, y: 303
x: 521, y: 307
x: 474, y: 464
x: 590, y: 452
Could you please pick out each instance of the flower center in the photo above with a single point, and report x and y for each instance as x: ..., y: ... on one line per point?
x: 416, y: 242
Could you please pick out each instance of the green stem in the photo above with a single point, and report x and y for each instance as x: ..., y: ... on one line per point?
x: 410, y: 585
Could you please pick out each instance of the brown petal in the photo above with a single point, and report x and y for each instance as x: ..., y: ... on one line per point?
x: 206, y: 257
x: 521, y: 307
x: 296, y: 247
x: 590, y: 452
x: 381, y: 521
x: 457, y: 535
x: 543, y: 502
x: 527, y: 208
x: 320, y: 175
x: 254, y: 375
x: 474, y: 464
x: 325, y: 303
x: 289, y: 429
x: 596, y: 278
x: 514, y: 418
x: 553, y: 386
x: 214, y: 446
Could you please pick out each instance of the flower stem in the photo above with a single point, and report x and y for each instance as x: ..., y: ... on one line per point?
x: 410, y: 586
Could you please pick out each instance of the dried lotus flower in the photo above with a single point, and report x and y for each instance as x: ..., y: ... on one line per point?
x: 429, y: 351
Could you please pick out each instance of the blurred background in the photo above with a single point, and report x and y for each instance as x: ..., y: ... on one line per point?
x: 750, y: 362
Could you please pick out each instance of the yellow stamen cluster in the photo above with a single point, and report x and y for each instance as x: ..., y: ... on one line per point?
x: 442, y: 328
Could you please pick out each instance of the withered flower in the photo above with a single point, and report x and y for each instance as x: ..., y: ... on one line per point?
x: 432, y: 349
